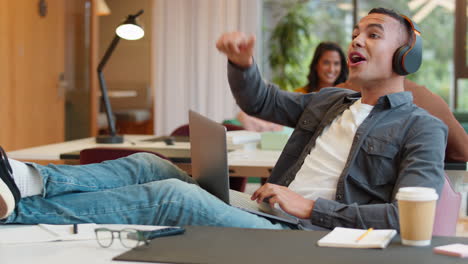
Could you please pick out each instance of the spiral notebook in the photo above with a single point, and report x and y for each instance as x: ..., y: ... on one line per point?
x: 349, y: 238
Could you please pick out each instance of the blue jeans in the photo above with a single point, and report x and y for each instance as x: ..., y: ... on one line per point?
x: 139, y: 189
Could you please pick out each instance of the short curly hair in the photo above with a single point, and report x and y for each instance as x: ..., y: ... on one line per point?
x: 398, y: 17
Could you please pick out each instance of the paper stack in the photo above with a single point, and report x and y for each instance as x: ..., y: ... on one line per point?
x: 349, y: 238
x: 239, y: 139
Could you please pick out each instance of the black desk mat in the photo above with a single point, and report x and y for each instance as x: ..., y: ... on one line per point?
x: 237, y: 245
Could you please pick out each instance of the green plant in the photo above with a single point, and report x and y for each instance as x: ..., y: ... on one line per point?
x: 290, y: 47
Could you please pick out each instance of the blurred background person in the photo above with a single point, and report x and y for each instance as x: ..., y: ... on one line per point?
x: 327, y: 68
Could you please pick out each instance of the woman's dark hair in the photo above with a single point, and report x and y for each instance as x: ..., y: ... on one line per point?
x: 319, y: 51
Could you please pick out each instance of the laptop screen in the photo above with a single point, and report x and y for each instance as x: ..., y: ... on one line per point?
x: 209, y: 155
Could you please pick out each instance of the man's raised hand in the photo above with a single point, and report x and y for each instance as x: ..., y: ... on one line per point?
x: 238, y: 47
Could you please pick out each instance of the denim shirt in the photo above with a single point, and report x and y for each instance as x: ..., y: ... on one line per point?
x: 397, y: 145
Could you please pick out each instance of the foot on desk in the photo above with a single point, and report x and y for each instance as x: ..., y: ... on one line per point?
x: 9, y: 192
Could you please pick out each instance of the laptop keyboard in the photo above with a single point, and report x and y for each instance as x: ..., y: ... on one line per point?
x: 243, y: 201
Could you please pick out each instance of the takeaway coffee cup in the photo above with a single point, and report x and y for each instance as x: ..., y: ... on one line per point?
x: 416, y: 207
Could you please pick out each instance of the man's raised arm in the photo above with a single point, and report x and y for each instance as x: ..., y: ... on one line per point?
x: 253, y: 95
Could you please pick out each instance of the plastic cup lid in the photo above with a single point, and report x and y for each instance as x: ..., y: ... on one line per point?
x: 417, y: 194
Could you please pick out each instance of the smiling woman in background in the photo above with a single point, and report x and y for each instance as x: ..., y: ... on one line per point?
x: 327, y: 69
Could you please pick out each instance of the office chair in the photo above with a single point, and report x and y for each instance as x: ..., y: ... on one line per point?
x: 235, y: 183
x: 184, y: 131
x: 100, y: 154
x: 447, y: 210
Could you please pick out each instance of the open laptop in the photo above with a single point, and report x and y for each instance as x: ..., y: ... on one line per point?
x: 210, y: 168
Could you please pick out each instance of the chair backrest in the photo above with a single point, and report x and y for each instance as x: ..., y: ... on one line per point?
x: 231, y: 127
x: 185, y: 131
x: 100, y: 154
x: 182, y: 131
x: 448, y: 208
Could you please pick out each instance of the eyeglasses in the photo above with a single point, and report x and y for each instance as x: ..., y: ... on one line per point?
x: 129, y: 238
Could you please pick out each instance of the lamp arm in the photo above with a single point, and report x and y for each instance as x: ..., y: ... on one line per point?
x: 103, y: 86
x: 108, y: 53
x: 139, y: 13
x: 107, y: 105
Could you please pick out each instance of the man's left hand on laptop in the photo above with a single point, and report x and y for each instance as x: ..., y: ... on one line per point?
x: 289, y: 201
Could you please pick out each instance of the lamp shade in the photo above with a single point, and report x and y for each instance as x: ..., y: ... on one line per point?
x: 102, y: 8
x: 130, y: 31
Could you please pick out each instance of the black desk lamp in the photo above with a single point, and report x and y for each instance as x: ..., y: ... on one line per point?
x: 129, y: 30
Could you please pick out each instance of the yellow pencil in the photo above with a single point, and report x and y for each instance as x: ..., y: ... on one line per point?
x: 365, y: 234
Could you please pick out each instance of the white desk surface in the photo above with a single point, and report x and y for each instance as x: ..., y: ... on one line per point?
x: 60, y: 252
x: 253, y: 158
x: 70, y: 252
x: 53, y: 151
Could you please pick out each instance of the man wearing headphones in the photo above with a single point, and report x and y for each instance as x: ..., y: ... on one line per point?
x: 344, y: 163
x: 350, y: 152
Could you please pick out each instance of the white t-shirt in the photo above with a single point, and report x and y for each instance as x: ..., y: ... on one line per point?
x: 319, y: 174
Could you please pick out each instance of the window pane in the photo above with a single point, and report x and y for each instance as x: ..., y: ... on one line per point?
x: 462, y: 95
x: 462, y: 84
x: 466, y: 38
